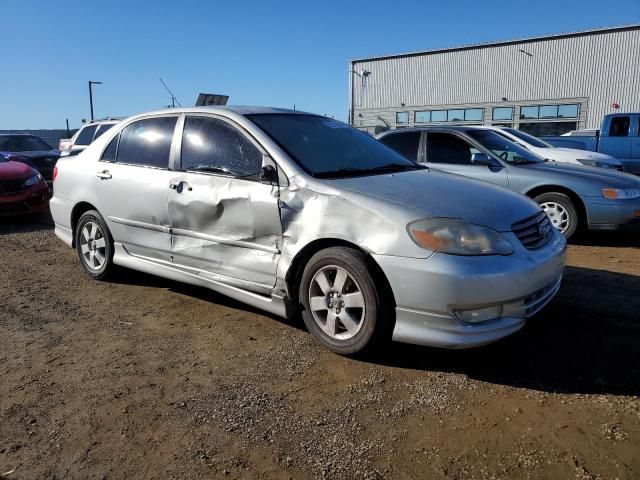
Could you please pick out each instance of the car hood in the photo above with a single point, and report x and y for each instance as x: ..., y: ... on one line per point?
x: 437, y: 194
x: 604, y: 177
x: 15, y: 170
x: 575, y: 154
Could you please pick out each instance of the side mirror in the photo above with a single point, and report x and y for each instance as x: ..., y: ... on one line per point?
x: 481, y: 159
x: 269, y: 175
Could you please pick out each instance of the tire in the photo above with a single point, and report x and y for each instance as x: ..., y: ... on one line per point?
x: 94, y: 245
x: 332, y: 279
x: 561, y: 211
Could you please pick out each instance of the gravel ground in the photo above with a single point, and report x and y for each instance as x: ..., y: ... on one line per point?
x: 147, y: 378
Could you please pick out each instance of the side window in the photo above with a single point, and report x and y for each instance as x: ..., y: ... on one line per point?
x: 406, y: 144
x: 447, y: 148
x: 213, y: 145
x: 619, y: 127
x: 85, y: 137
x: 109, y: 155
x: 147, y: 142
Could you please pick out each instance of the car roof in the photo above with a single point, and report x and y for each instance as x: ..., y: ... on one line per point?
x: 426, y: 128
x: 238, y: 109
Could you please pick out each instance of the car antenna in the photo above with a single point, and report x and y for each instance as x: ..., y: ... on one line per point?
x: 174, y: 100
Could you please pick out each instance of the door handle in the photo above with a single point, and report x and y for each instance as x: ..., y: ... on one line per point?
x: 104, y: 175
x: 179, y: 186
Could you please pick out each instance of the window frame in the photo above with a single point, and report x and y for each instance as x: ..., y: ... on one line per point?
x: 177, y: 164
x: 137, y: 119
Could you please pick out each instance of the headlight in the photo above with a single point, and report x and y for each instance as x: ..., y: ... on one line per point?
x: 598, y: 163
x: 620, y: 194
x: 33, y: 180
x: 449, y: 235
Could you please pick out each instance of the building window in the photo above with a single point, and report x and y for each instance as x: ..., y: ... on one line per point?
x: 455, y: 115
x: 473, y: 114
x: 549, y: 111
x: 402, y: 117
x: 568, y: 111
x: 528, y: 112
x: 438, y: 115
x: 503, y: 113
x: 422, y: 117
x: 545, y: 129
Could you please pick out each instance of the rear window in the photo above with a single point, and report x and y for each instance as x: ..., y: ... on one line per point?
x: 85, y: 136
x: 147, y: 142
x: 406, y: 144
x: 103, y: 128
x: 22, y: 143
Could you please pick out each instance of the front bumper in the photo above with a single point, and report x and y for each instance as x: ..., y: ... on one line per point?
x: 429, y: 292
x: 604, y: 214
x: 32, y: 200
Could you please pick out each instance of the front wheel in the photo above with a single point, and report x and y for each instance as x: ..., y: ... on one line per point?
x: 94, y: 245
x: 561, y: 212
x: 343, y: 307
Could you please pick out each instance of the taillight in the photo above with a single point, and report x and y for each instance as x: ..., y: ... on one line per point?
x: 55, y: 174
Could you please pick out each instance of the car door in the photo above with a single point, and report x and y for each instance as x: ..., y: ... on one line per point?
x: 617, y: 141
x: 225, y: 220
x: 132, y: 185
x: 452, y: 153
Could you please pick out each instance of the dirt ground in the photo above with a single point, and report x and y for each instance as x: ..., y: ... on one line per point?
x: 147, y: 378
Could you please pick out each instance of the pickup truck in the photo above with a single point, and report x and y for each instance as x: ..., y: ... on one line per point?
x: 619, y: 136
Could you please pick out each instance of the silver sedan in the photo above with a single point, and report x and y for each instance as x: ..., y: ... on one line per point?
x: 296, y: 213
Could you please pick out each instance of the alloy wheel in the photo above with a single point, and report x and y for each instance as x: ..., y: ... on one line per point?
x: 336, y: 302
x: 93, y: 246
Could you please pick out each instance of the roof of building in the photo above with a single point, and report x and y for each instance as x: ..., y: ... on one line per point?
x: 580, y: 33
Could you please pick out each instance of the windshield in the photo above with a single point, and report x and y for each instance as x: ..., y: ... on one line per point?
x: 503, y: 148
x: 530, y: 139
x: 22, y: 143
x: 326, y: 148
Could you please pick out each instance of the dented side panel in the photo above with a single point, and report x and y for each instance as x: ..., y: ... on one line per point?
x: 226, y: 226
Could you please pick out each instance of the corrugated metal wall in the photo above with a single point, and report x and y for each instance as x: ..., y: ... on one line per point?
x: 593, y: 70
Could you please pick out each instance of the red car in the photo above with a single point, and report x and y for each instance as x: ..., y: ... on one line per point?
x: 22, y: 189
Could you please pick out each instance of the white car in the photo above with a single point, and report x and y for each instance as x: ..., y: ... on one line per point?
x: 558, y: 154
x: 85, y: 136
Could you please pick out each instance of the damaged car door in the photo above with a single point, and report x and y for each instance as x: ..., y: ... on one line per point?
x: 225, y: 219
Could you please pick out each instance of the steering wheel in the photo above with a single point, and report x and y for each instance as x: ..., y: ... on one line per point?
x: 504, y: 156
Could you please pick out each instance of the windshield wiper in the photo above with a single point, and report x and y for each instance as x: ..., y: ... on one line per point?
x: 391, y: 167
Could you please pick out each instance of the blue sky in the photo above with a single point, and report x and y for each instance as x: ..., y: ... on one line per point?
x: 260, y: 53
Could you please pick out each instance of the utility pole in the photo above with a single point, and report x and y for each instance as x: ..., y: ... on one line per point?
x: 91, y: 83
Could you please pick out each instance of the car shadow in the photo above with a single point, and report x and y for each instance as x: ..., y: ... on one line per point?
x: 585, y: 341
x: 33, y: 222
x: 626, y: 236
x: 125, y: 276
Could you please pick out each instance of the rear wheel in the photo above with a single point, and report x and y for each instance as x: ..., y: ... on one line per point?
x: 343, y: 308
x: 561, y: 212
x: 94, y: 245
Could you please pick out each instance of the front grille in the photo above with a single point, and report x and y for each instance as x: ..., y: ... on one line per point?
x: 533, y: 231
x: 10, y: 187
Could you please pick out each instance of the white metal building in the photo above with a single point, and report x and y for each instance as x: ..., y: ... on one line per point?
x: 544, y: 85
